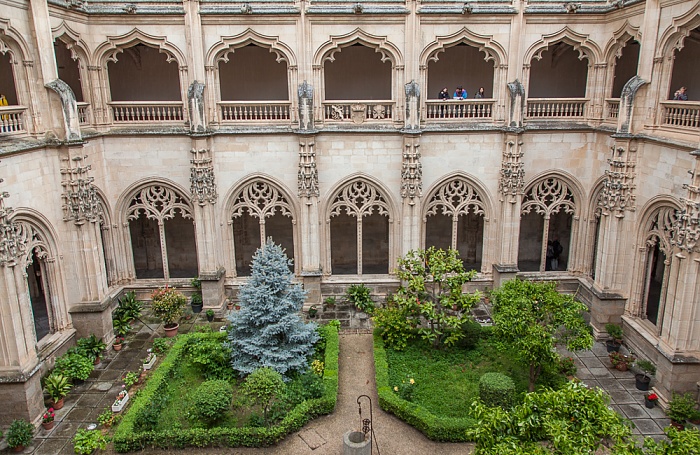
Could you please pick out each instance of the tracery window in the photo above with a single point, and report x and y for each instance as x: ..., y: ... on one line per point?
x: 162, y: 240
x: 359, y: 230
x: 546, y: 216
x: 455, y: 219
x: 657, y: 253
x: 260, y: 211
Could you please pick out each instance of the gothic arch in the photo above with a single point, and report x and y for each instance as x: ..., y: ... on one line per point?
x: 114, y: 45
x: 674, y: 36
x: 381, y: 44
x: 485, y: 43
x: 562, y: 183
x: 657, y: 218
x: 227, y: 44
x: 359, y: 196
x: 475, y: 199
x: 580, y: 42
x: 262, y: 197
x: 78, y: 48
x: 620, y: 38
x: 15, y: 39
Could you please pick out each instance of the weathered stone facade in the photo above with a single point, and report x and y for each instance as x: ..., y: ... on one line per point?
x: 338, y: 148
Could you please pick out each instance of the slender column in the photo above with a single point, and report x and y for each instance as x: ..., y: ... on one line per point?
x: 42, y: 32
x: 308, y: 192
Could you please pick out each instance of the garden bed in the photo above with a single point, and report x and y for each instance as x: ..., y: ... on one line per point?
x: 166, y: 419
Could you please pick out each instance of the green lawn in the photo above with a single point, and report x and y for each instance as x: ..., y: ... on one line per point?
x: 447, y: 381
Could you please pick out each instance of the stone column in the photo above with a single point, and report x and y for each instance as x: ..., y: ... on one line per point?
x: 511, y: 186
x: 204, y: 198
x: 411, y: 192
x: 309, y: 217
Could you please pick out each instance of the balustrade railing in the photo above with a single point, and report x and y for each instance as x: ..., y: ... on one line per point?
x: 682, y: 114
x: 255, y: 111
x: 459, y: 109
x: 12, y: 119
x: 612, y: 106
x: 83, y: 113
x: 556, y: 108
x: 147, y: 112
x: 358, y: 111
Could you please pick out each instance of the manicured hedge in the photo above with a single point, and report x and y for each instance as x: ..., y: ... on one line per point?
x: 437, y: 428
x: 497, y: 389
x: 126, y: 439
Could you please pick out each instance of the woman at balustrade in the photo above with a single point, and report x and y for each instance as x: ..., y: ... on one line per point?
x: 680, y: 95
x: 480, y: 93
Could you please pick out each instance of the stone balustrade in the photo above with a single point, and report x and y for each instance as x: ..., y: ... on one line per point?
x: 556, y: 108
x: 358, y: 111
x: 683, y: 114
x: 255, y: 111
x: 459, y: 109
x: 147, y: 112
x: 12, y: 119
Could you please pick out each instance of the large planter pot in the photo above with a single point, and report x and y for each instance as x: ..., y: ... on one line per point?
x: 649, y: 403
x: 622, y: 366
x: 49, y: 425
x: 171, y: 329
x: 58, y: 404
x: 197, y: 307
x: 612, y: 346
x: 642, y: 381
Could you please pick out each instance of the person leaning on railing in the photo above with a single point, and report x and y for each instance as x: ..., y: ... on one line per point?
x: 680, y: 95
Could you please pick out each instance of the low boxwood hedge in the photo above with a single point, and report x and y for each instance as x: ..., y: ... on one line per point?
x: 127, y: 439
x: 497, y: 389
x: 437, y: 428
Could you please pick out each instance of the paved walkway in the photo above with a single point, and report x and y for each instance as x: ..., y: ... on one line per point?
x: 324, y: 435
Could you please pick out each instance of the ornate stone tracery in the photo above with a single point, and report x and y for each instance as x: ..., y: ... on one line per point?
x: 262, y: 200
x: 687, y: 224
x: 359, y: 199
x: 661, y: 230
x: 202, y: 182
x: 455, y: 198
x: 549, y: 196
x: 80, y: 201
x: 157, y: 202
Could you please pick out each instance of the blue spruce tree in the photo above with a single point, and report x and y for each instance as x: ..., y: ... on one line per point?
x: 268, y: 330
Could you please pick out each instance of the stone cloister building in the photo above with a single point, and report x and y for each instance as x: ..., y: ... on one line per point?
x: 148, y: 142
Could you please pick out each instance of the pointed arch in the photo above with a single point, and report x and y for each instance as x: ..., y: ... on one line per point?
x: 476, y: 196
x: 621, y: 37
x: 586, y: 48
x: 657, y: 220
x: 552, y: 191
x: 493, y: 51
x: 228, y: 44
x: 389, y: 51
x: 16, y: 39
x: 114, y: 45
x: 674, y: 36
x: 73, y: 41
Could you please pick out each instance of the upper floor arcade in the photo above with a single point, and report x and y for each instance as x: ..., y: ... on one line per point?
x: 147, y: 76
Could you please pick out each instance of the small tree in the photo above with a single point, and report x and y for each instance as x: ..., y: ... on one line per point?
x: 431, y: 289
x: 532, y: 318
x: 264, y: 386
x: 268, y: 330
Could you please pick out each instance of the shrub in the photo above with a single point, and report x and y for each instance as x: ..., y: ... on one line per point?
x: 168, y: 305
x: 57, y: 386
x: 20, y: 433
x: 211, y: 401
x: 74, y: 366
x: 496, y: 389
x: 681, y: 407
x: 211, y: 357
x: 161, y: 345
x: 471, y: 334
x: 130, y: 378
x: 567, y: 366
x: 615, y: 331
x: 129, y: 308
x: 647, y: 367
x: 87, y: 441
x: 359, y: 295
x: 91, y: 347
x: 406, y: 388
x: 394, y: 326
x: 263, y: 386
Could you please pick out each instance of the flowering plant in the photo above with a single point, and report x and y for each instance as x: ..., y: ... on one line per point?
x: 168, y: 304
x: 405, y: 389
x: 652, y: 397
x: 120, y: 396
x: 118, y: 339
x: 48, y: 416
x: 149, y: 357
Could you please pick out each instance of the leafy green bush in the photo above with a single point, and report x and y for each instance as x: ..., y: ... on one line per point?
x: 681, y: 407
x: 210, y: 401
x: 472, y: 332
x: 394, y: 326
x: 57, y: 386
x: 87, y: 441
x: 679, y: 442
x: 360, y: 296
x: 212, y: 358
x: 263, y: 386
x: 168, y: 304
x: 91, y: 347
x: 147, y: 418
x: 161, y: 345
x: 74, y: 366
x: 497, y: 389
x: 615, y: 331
x: 20, y: 433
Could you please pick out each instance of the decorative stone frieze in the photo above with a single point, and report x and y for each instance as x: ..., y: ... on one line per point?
x: 80, y: 201
x: 687, y: 224
x: 511, y: 183
x: 308, y: 173
x: 618, y: 187
x: 411, y: 172
x: 202, y: 183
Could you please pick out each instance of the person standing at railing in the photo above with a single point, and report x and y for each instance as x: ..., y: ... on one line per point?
x: 680, y: 95
x: 3, y: 103
x: 460, y: 94
x: 480, y: 93
x: 443, y: 95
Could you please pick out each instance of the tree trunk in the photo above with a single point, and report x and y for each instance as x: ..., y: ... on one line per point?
x: 534, y: 374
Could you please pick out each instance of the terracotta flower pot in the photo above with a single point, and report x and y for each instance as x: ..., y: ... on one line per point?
x: 622, y: 366
x: 18, y: 448
x: 171, y: 329
x: 117, y: 347
x: 58, y: 404
x: 48, y: 425
x: 677, y: 425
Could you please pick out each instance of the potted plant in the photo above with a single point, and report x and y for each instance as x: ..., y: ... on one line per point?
x: 91, y: 347
x: 118, y: 343
x: 650, y: 400
x: 121, y: 326
x: 19, y: 435
x: 168, y: 305
x: 130, y: 378
x: 57, y: 386
x: 150, y: 360
x: 680, y: 409
x: 329, y: 302
x: 47, y: 420
x: 643, y: 379
x: 196, y: 299
x: 695, y: 417
x: 121, y: 400
x: 621, y: 361
x: 86, y: 442
x: 210, y: 315
x: 615, y: 341
x: 74, y: 366
x: 129, y: 308
x: 229, y: 304
x: 359, y: 295
x: 313, y: 311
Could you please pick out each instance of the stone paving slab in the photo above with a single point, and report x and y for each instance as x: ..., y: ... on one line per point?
x: 647, y: 427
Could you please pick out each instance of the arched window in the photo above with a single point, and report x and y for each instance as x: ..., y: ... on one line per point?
x: 252, y: 73
x: 260, y: 211
x: 162, y: 234
x: 143, y: 73
x: 625, y: 66
x: 68, y: 68
x: 359, y: 230
x: 460, y: 65
x: 686, y: 67
x: 357, y: 72
x: 545, y: 226
x: 455, y: 219
x: 559, y: 73
x: 656, y: 261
